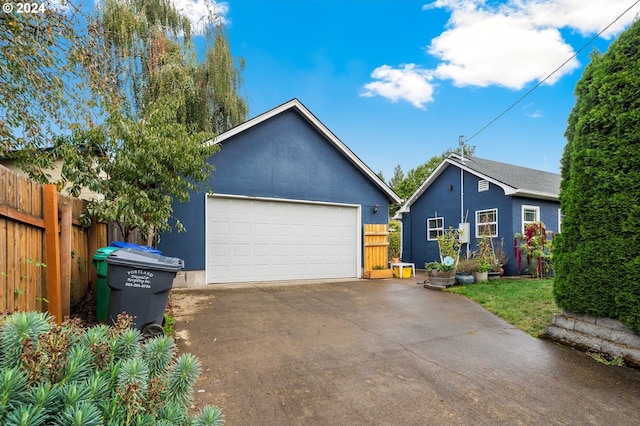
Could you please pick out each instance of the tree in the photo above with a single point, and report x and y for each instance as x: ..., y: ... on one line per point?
x: 147, y: 51
x: 415, y: 177
x: 219, y: 81
x: 398, y: 176
x: 41, y: 82
x: 139, y: 166
x: 160, y: 108
x: 597, y: 255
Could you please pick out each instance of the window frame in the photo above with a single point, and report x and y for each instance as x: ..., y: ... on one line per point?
x: 559, y: 221
x: 439, y: 231
x: 527, y: 222
x: 494, y: 223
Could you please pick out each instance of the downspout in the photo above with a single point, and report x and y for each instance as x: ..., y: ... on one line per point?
x: 461, y: 143
x: 462, y: 218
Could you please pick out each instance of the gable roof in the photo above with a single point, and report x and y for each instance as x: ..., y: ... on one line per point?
x: 296, y: 105
x: 514, y: 180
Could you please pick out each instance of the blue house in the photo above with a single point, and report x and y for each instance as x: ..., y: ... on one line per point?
x: 290, y: 201
x: 498, y: 199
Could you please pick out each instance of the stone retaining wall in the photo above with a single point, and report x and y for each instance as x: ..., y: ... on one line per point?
x: 602, y: 335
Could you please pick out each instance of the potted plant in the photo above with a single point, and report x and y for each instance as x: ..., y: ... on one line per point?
x: 482, y: 274
x: 494, y: 269
x: 465, y: 270
x: 441, y: 273
x: 501, y: 260
x: 378, y: 271
x: 486, y: 259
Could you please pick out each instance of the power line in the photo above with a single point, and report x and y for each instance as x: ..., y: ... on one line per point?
x: 552, y: 73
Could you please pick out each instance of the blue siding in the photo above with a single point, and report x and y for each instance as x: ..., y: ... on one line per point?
x: 283, y: 157
x: 494, y: 198
x: 548, y: 212
x: 548, y: 215
x: 443, y: 197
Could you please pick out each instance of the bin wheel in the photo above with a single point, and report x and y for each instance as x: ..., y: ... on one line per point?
x: 152, y: 330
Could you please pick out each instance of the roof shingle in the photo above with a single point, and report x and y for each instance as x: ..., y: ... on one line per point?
x: 517, y: 177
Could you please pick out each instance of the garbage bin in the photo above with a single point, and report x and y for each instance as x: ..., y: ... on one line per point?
x: 122, y: 244
x: 139, y: 282
x: 102, y: 289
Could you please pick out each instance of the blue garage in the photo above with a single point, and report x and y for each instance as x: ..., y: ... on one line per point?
x: 289, y: 202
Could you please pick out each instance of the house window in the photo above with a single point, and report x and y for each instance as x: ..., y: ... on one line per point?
x: 487, y: 223
x: 483, y: 185
x: 530, y: 214
x: 435, y: 227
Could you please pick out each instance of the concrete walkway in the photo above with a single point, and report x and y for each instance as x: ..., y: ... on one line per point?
x: 386, y: 352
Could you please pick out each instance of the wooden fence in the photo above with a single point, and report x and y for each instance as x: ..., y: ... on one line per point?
x: 376, y: 246
x: 46, y: 254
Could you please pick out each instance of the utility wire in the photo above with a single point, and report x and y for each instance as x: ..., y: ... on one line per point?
x: 552, y: 73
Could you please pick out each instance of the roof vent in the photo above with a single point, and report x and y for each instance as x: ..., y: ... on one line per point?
x: 483, y: 185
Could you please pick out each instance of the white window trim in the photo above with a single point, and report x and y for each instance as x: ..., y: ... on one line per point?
x: 559, y: 221
x: 429, y: 229
x: 527, y: 207
x: 478, y: 234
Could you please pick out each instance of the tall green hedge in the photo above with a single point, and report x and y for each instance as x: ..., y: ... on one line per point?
x: 597, y: 255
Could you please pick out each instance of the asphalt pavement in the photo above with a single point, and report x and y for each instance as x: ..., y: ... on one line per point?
x: 386, y: 352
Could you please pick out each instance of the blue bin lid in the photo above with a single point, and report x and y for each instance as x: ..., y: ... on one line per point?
x: 144, y: 260
x: 122, y: 244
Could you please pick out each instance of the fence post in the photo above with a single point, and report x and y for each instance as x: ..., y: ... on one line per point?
x: 66, y: 233
x: 52, y: 250
x: 94, y: 245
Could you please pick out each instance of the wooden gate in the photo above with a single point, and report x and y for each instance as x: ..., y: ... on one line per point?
x: 376, y: 251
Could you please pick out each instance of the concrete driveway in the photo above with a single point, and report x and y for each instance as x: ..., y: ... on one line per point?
x: 386, y: 352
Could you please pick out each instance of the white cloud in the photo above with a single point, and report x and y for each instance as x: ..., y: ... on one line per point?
x: 532, y: 112
x: 495, y: 49
x: 509, y: 44
x: 409, y: 83
x: 199, y: 11
x: 588, y: 17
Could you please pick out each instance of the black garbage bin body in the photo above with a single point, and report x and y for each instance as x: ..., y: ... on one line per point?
x: 140, y: 282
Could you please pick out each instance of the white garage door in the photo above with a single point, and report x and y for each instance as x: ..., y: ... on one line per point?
x: 266, y: 240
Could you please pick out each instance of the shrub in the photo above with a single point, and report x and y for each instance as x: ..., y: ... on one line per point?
x: 467, y: 266
x: 537, y: 246
x: 597, y: 255
x: 67, y: 375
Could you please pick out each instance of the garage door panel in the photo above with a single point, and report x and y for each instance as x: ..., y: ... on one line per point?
x: 240, y: 271
x: 280, y: 229
x: 261, y: 250
x: 255, y: 240
x: 262, y: 229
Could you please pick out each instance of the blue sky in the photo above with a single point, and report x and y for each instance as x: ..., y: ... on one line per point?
x: 398, y: 81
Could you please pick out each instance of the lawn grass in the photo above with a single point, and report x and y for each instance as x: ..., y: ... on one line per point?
x: 524, y: 302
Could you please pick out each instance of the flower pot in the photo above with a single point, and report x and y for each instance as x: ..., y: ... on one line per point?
x: 494, y: 275
x: 481, y: 276
x: 464, y: 279
x: 442, y: 278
